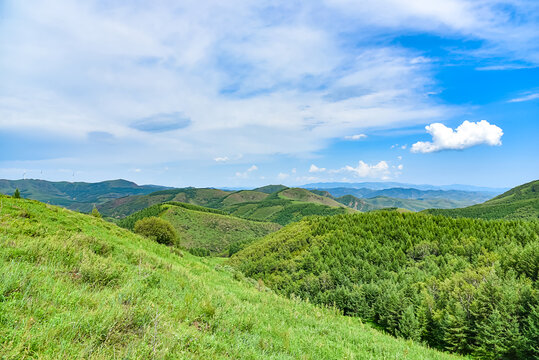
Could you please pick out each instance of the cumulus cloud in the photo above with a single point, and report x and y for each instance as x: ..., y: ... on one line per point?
x: 364, y: 170
x: 316, y: 169
x: 355, y: 137
x: 466, y: 135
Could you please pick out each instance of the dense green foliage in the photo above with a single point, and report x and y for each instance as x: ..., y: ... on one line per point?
x: 76, y: 196
x: 282, y: 211
x: 521, y: 202
x: 17, y: 194
x: 76, y: 287
x: 457, y: 284
x: 157, y: 229
x: 204, y: 228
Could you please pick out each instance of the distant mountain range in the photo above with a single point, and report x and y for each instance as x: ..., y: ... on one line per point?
x: 389, y: 185
x: 80, y: 196
x: 470, y: 197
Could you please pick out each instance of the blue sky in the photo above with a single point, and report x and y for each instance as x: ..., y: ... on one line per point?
x: 246, y: 93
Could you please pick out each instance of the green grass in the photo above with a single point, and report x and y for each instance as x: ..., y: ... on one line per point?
x: 73, y: 286
x: 204, y: 228
x: 521, y: 202
x: 215, y: 232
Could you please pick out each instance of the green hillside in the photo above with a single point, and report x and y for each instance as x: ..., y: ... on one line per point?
x: 456, y: 284
x: 307, y: 196
x: 78, y: 196
x: 287, y: 206
x: 73, y: 286
x: 123, y: 207
x: 281, y: 207
x: 204, y: 228
x: 521, y: 202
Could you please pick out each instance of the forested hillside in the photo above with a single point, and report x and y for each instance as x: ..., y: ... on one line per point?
x: 74, y: 286
x: 203, y: 230
x: 461, y: 285
x: 521, y: 202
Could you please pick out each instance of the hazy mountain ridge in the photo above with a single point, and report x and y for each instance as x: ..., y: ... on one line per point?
x: 79, y: 196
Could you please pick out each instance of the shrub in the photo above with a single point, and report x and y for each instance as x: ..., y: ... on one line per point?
x: 17, y: 194
x: 157, y: 229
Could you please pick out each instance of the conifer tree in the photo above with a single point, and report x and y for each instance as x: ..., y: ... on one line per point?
x: 17, y: 194
x: 95, y: 212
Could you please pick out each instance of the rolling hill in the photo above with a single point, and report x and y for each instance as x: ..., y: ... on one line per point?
x: 282, y: 207
x: 78, y: 196
x: 204, y: 228
x: 73, y: 286
x: 286, y: 206
x: 461, y: 285
x: 128, y: 205
x: 521, y: 202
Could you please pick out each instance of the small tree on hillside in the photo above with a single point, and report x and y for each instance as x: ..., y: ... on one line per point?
x: 95, y: 212
x: 157, y: 229
x: 17, y: 194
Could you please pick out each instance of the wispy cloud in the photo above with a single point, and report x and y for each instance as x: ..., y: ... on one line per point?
x: 528, y: 97
x: 212, y: 79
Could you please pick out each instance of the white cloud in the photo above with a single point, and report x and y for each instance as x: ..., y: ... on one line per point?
x: 316, y: 169
x: 221, y: 159
x: 252, y: 168
x: 69, y: 68
x: 355, y: 137
x: 403, y: 147
x: 282, y: 176
x: 525, y: 98
x: 400, y: 167
x: 364, y: 170
x: 399, y: 157
x: 468, y: 134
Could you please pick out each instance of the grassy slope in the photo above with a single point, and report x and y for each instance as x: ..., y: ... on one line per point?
x: 286, y: 208
x: 244, y: 196
x: 73, y: 286
x: 214, y: 232
x: 521, y: 202
x: 307, y: 196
